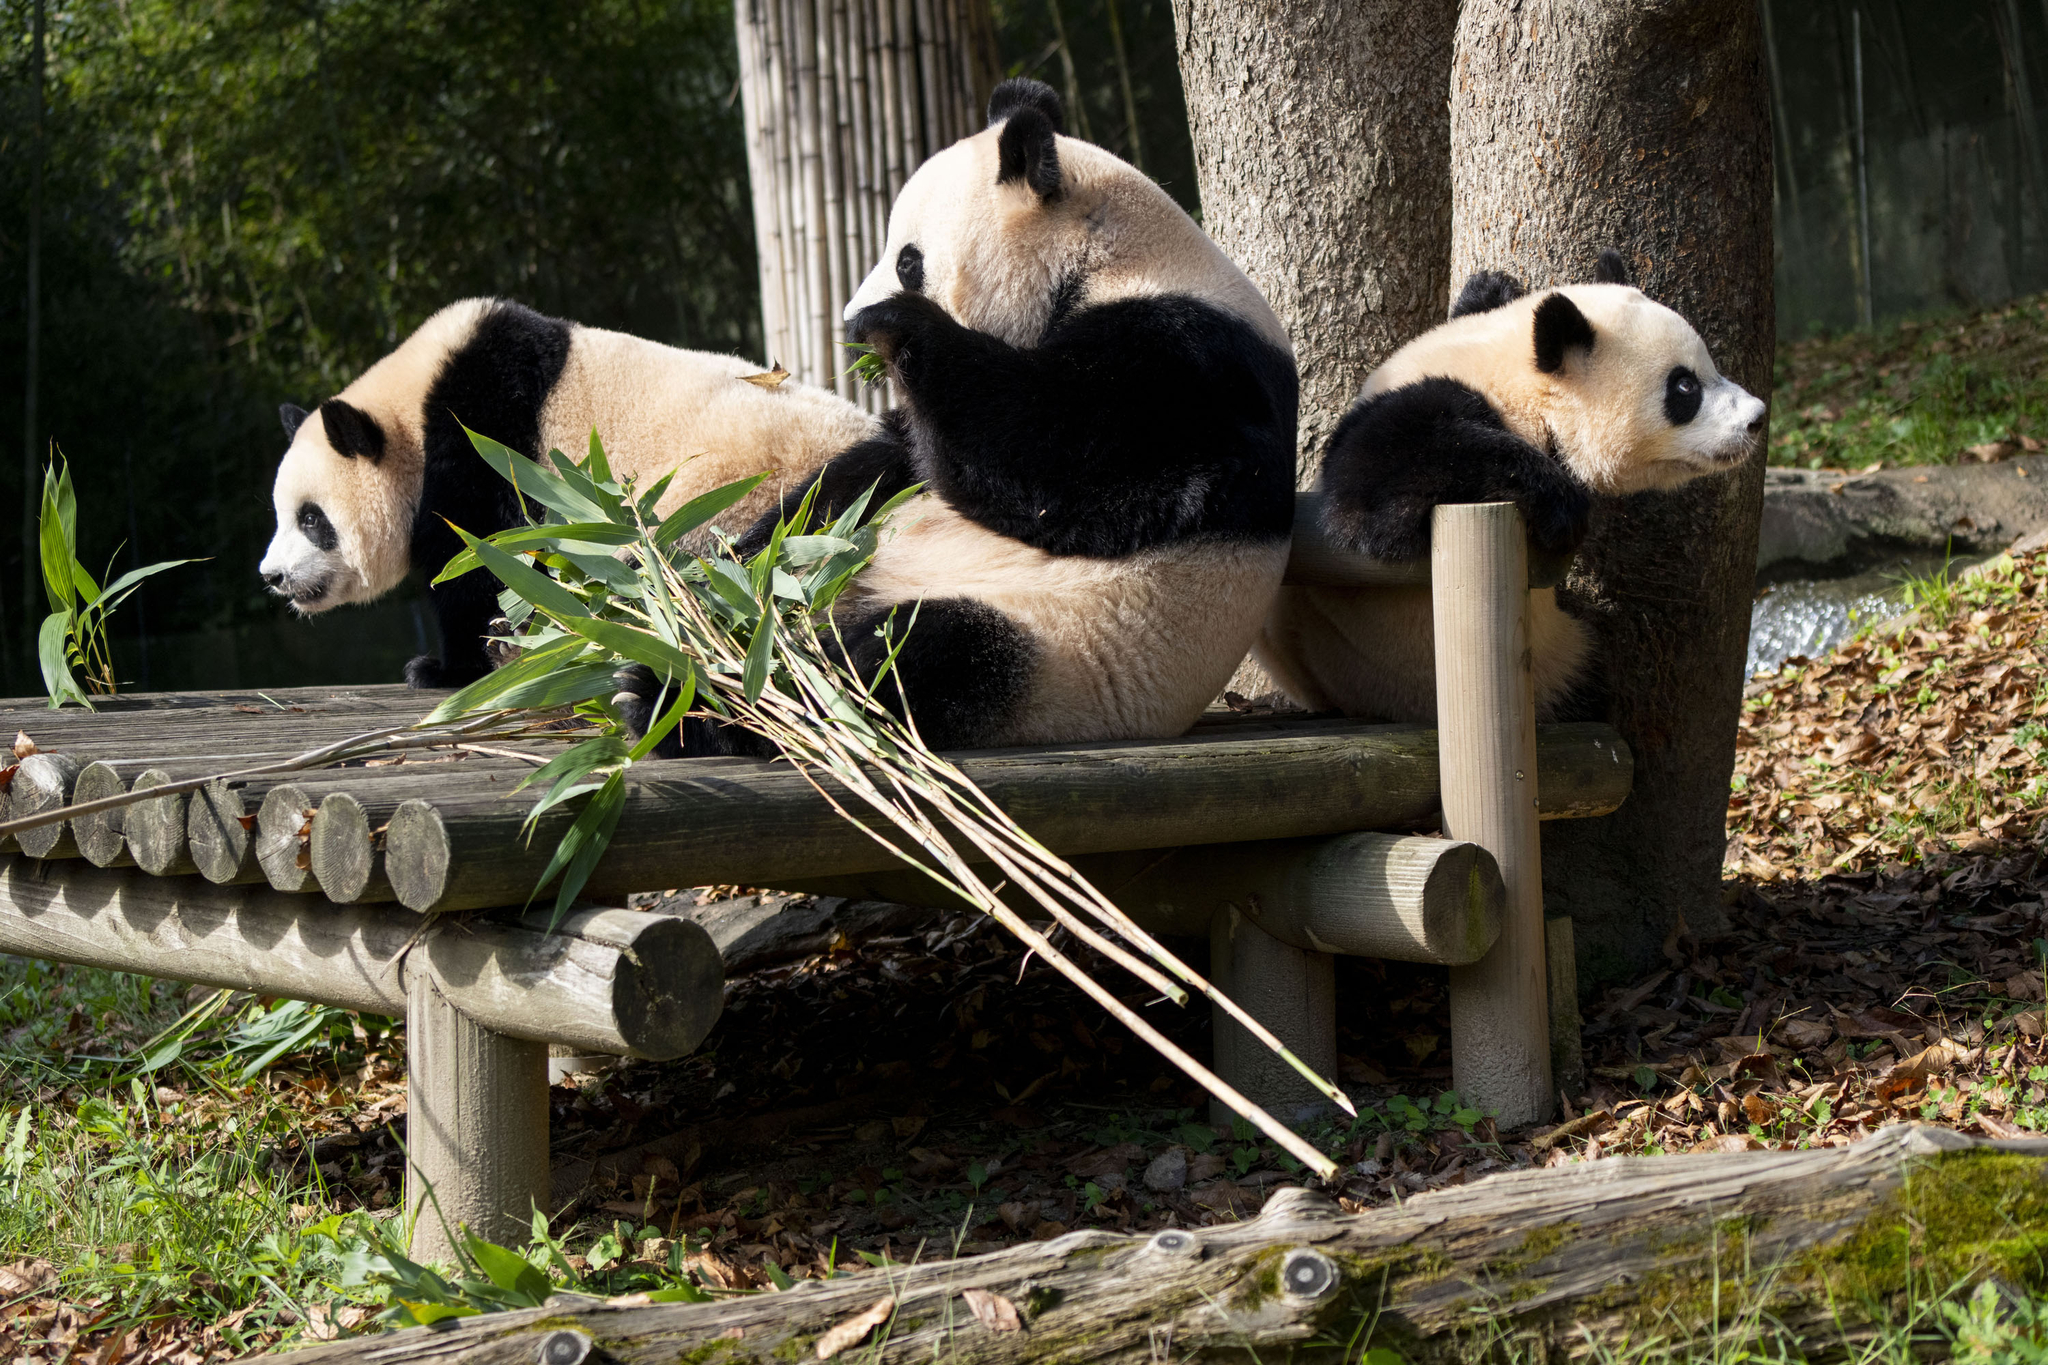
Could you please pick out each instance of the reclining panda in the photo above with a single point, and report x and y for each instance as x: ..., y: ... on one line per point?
x: 1547, y: 400
x: 1101, y: 409
x: 374, y: 475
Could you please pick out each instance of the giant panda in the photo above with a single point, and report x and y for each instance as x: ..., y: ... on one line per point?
x: 1547, y: 399
x: 373, y: 476
x: 1101, y: 410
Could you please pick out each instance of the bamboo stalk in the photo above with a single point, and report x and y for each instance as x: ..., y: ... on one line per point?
x: 831, y: 117
x: 928, y: 77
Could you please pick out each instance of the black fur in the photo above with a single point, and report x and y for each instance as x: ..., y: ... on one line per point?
x: 1560, y: 327
x: 351, y: 431
x: 965, y: 666
x: 1399, y: 454
x: 910, y: 268
x: 1021, y: 92
x: 293, y: 416
x: 1132, y: 424
x: 314, y: 526
x: 1610, y: 268
x: 1025, y: 151
x: 882, y: 461
x: 1486, y: 291
x: 1682, y: 395
x: 495, y: 384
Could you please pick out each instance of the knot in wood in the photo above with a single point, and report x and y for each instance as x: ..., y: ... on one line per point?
x: 1307, y: 1274
x: 563, y: 1347
x: 1174, y: 1242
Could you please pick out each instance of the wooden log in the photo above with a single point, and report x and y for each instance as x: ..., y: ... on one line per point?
x: 98, y: 836
x: 615, y: 981
x: 284, y: 840
x: 367, y: 696
x: 155, y: 829
x: 1403, y: 898
x: 1623, y: 1249
x: 692, y: 822
x: 43, y: 782
x: 476, y: 1126
x: 347, y: 856
x: 1293, y: 992
x: 1486, y: 708
x: 220, y: 830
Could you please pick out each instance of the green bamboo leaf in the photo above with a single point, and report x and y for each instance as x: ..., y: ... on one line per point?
x: 701, y: 509
x: 600, y: 468
x: 731, y: 583
x: 686, y: 693
x: 529, y: 582
x: 50, y: 650
x: 647, y: 501
x: 575, y: 858
x: 482, y: 694
x: 54, y: 545
x: 640, y: 646
x: 798, y: 550
x: 760, y: 654
x: 583, y: 485
x: 536, y: 481
x: 583, y: 537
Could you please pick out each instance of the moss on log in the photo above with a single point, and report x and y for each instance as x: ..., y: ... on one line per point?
x: 1655, y: 1245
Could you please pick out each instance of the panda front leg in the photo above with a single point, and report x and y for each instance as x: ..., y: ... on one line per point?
x: 465, y: 608
x: 1397, y: 455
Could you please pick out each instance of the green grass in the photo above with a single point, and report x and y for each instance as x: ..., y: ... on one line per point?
x: 1918, y: 392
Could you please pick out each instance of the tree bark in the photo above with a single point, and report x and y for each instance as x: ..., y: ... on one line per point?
x: 1643, y: 125
x: 1322, y: 154
x: 1549, y: 1258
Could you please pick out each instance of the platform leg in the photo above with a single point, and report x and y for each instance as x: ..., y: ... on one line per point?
x: 476, y: 1126
x: 1486, y: 722
x: 1292, y: 992
x: 1567, y: 1028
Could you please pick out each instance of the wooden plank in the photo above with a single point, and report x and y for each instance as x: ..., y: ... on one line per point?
x: 690, y: 822
x: 614, y: 981
x: 1549, y: 1259
x: 1486, y: 708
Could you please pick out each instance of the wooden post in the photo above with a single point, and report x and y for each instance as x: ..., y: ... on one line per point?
x: 1293, y: 992
x: 476, y: 1127
x: 1486, y: 717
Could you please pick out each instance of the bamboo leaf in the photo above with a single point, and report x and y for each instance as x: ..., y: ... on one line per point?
x: 600, y: 468
x: 640, y: 646
x: 591, y: 537
x: 575, y: 858
x: 482, y: 694
x: 701, y: 509
x: 50, y: 650
x: 759, y: 656
x: 529, y: 582
x: 536, y: 481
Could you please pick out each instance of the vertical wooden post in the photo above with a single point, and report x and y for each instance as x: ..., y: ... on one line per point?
x: 1292, y: 992
x: 476, y: 1124
x: 1486, y: 721
x: 1567, y: 1027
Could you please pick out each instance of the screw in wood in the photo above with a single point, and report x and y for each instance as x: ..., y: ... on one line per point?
x: 1308, y: 1274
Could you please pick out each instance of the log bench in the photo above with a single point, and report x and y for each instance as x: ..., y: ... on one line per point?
x: 392, y: 886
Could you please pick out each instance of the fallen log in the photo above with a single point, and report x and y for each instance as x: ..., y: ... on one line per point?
x: 1553, y: 1259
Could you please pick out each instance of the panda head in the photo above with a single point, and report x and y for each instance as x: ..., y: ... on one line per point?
x: 344, y: 496
x: 1619, y: 385
x: 1011, y: 227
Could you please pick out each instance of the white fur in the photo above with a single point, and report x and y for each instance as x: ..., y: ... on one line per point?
x: 656, y: 408
x: 1372, y: 652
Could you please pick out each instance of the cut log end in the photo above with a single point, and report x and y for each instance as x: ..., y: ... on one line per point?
x: 155, y: 829
x: 416, y: 855
x: 283, y: 855
x: 343, y: 859
x: 44, y: 782
x: 221, y: 846
x: 99, y: 835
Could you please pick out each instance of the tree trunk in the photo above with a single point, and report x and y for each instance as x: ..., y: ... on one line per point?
x: 1550, y: 1259
x: 1643, y: 125
x: 843, y: 99
x: 1322, y: 153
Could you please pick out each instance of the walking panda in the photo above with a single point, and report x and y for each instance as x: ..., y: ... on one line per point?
x: 373, y: 476
x: 1545, y: 399
x: 1101, y: 409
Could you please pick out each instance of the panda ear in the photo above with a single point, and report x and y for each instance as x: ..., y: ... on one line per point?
x: 351, y: 431
x: 292, y: 415
x: 1023, y: 93
x: 1609, y: 267
x: 1025, y: 151
x: 1560, y: 326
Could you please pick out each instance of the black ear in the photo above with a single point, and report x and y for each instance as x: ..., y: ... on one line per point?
x: 1023, y: 93
x: 1025, y: 150
x: 1610, y: 268
x: 291, y: 414
x: 1486, y: 291
x: 351, y: 431
x: 1559, y: 327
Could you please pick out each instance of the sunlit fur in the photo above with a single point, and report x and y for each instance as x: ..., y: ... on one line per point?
x: 656, y: 408
x: 1126, y: 648
x: 1372, y: 653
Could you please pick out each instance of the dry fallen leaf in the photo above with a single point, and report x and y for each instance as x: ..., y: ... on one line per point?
x: 23, y: 745
x: 768, y: 379
x: 32, y: 1276
x: 855, y: 1328
x: 992, y: 1310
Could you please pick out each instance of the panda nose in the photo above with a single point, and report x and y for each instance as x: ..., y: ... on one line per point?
x: 1756, y: 424
x: 274, y: 579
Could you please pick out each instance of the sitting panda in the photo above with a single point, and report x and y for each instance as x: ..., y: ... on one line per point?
x: 1101, y: 409
x: 371, y: 474
x: 1546, y: 400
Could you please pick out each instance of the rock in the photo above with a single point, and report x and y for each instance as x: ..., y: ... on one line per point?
x: 1168, y: 1170
x: 1834, y: 519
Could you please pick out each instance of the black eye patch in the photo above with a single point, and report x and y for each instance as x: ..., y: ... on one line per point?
x: 910, y: 269
x: 1682, y: 395
x: 314, y: 526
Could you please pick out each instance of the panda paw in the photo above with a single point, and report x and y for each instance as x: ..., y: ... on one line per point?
x: 638, y: 692
x: 894, y: 326
x: 427, y: 671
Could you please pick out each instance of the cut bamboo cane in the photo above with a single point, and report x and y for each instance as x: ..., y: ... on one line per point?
x: 1500, y: 1022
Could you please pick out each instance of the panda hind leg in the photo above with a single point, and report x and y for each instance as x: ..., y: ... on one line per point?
x: 640, y: 691
x: 965, y: 666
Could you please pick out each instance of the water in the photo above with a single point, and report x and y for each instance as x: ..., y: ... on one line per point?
x: 1812, y: 615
